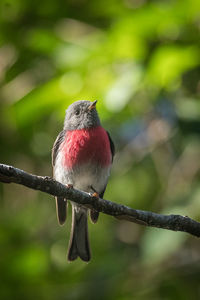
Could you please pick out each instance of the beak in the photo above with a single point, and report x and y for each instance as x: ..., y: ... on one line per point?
x: 93, y: 105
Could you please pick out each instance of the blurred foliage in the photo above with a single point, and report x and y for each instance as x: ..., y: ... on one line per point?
x: 141, y: 60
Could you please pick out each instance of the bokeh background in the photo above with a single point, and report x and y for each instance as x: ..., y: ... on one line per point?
x: 141, y: 60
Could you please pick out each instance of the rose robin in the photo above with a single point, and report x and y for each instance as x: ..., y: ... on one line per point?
x: 82, y: 156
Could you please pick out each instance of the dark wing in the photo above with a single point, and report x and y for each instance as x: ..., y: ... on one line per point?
x: 112, y: 146
x: 56, y: 146
x: 93, y: 213
x: 61, y: 203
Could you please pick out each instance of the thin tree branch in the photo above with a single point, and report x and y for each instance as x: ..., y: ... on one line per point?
x: 48, y: 185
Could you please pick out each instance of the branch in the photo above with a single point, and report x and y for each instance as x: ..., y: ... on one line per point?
x: 48, y: 185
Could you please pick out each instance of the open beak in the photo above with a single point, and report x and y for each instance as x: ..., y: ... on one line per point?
x: 93, y: 105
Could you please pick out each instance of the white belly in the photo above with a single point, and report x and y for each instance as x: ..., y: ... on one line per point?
x: 85, y: 177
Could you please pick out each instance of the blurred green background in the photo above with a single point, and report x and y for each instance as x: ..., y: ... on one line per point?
x: 141, y: 60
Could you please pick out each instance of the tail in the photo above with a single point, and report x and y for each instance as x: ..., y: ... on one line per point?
x: 79, y: 243
x: 61, y: 208
x: 94, y: 215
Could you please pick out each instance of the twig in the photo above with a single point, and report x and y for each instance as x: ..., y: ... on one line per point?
x: 9, y: 174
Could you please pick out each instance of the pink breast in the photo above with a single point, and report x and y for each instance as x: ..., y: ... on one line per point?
x: 84, y: 145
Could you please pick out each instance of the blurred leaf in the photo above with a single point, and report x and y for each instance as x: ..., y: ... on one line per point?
x: 41, y: 40
x: 169, y: 62
x: 158, y: 245
x: 39, y: 102
x: 31, y: 263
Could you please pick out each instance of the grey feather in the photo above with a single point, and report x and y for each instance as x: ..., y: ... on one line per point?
x: 56, y: 146
x: 94, y: 215
x: 61, y: 203
x: 61, y: 209
x: 78, y: 117
x: 79, y: 242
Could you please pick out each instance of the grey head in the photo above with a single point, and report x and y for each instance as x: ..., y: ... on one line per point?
x: 81, y: 114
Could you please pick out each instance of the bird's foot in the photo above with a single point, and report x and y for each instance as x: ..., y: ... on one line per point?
x: 95, y: 195
x: 69, y: 186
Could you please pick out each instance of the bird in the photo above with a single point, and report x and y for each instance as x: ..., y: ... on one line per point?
x: 82, y: 157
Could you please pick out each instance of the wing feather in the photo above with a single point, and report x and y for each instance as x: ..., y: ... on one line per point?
x: 61, y: 203
x: 56, y: 146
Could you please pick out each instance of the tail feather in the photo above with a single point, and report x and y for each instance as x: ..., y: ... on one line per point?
x: 61, y: 208
x: 94, y: 215
x: 79, y: 242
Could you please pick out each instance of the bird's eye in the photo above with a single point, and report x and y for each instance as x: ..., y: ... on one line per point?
x: 77, y: 112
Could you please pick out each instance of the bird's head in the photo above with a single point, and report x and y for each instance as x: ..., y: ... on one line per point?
x: 81, y: 115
